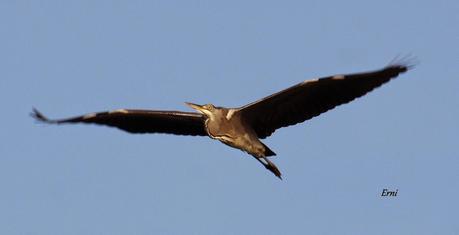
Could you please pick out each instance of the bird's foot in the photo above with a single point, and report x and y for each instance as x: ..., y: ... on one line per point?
x: 270, y: 166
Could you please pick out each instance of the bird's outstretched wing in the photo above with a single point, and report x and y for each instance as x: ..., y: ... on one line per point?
x: 140, y: 121
x: 311, y: 98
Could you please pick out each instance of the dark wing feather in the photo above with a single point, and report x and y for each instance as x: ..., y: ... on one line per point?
x: 311, y: 98
x: 140, y: 121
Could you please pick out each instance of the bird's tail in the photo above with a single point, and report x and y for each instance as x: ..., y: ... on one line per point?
x: 268, y: 152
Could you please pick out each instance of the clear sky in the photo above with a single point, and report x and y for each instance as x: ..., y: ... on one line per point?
x: 74, y: 57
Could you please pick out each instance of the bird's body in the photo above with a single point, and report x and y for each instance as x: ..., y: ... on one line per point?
x: 227, y: 126
x: 243, y: 127
x: 230, y: 127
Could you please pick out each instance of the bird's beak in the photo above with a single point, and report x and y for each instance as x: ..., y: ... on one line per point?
x: 197, y: 107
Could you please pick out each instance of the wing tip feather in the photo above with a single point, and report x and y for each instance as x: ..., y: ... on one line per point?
x: 403, y: 64
x: 38, y: 116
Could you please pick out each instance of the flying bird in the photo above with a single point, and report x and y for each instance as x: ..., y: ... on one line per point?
x: 243, y: 127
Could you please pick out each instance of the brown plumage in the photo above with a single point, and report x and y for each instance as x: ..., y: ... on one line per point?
x: 243, y: 127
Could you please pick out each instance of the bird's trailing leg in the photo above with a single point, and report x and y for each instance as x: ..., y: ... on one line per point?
x: 270, y: 166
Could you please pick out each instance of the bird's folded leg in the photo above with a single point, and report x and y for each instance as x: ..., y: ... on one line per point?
x: 270, y: 166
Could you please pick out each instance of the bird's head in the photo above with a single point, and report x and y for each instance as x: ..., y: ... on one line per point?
x: 207, y: 109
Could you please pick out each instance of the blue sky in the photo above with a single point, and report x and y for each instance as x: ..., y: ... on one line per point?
x: 73, y: 57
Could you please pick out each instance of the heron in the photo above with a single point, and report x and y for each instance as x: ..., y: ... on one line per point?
x: 244, y: 127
